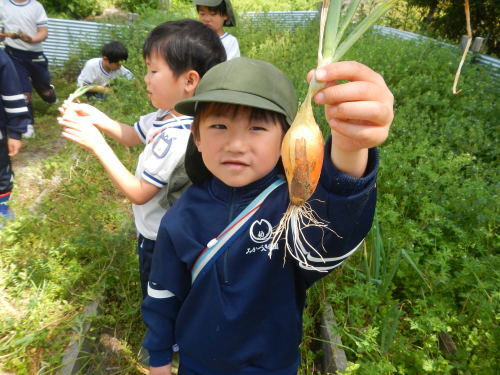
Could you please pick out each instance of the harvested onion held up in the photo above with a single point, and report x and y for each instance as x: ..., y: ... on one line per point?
x: 302, y: 150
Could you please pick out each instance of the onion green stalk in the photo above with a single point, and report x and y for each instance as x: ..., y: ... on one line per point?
x: 79, y: 92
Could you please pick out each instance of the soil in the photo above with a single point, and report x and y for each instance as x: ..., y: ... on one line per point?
x: 30, y: 184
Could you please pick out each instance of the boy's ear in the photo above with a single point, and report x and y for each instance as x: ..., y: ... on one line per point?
x: 191, y: 80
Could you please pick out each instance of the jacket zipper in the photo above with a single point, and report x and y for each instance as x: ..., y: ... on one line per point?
x: 225, y: 262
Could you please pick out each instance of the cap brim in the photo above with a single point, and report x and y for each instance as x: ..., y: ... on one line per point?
x: 207, y: 3
x: 188, y: 106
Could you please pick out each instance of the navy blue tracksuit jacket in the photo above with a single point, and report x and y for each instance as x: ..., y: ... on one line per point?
x: 244, y: 314
x: 14, y: 116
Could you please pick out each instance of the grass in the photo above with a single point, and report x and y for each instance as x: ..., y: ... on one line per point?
x: 429, y: 265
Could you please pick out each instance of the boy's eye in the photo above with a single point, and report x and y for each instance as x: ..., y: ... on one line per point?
x: 258, y: 128
x: 218, y: 126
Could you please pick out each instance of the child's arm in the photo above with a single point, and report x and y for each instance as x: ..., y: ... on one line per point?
x: 41, y: 34
x: 359, y: 113
x: 85, y: 113
x: 102, y: 89
x: 13, y: 104
x: 138, y: 191
x: 163, y: 370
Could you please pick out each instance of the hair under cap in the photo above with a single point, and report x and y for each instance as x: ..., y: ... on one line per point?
x: 231, y: 19
x: 240, y: 81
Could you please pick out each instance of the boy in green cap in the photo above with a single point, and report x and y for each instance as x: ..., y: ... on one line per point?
x: 216, y: 14
x: 214, y: 293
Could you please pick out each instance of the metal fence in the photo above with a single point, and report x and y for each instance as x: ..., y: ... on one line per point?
x: 282, y: 20
x: 479, y: 58
x: 67, y: 36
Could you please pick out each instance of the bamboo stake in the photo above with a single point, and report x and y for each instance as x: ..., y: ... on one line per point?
x: 466, y: 50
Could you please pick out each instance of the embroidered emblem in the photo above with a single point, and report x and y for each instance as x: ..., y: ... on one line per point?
x: 261, y: 231
x: 161, y: 145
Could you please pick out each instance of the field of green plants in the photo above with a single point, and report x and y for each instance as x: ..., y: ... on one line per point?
x: 421, y: 297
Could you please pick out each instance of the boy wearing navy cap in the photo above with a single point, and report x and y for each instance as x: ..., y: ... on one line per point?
x: 213, y: 291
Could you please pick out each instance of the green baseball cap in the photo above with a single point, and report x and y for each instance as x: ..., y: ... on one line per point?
x: 231, y: 19
x: 240, y: 81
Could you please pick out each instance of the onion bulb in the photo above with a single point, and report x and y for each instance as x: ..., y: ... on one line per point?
x: 302, y: 155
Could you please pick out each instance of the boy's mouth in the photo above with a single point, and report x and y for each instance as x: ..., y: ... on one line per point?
x: 234, y: 163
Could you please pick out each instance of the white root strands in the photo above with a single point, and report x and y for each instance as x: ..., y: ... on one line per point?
x: 291, y: 225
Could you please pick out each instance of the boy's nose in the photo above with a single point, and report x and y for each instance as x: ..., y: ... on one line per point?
x: 236, y: 144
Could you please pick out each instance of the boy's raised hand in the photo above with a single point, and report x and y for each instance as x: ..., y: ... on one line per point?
x: 359, y: 112
x: 81, y: 130
x: 88, y: 113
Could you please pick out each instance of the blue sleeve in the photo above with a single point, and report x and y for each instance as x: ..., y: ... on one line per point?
x: 15, y: 115
x: 169, y: 283
x: 347, y: 205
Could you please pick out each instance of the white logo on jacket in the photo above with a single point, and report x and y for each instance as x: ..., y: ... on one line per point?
x: 261, y: 231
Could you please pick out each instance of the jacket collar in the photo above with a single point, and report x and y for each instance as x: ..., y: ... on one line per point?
x: 242, y: 194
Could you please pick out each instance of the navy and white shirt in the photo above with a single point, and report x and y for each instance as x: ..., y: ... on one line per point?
x: 27, y: 17
x: 231, y: 45
x: 243, y: 314
x: 93, y: 73
x: 161, y: 164
x: 14, y: 114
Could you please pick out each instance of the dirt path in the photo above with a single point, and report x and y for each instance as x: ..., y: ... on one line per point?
x: 30, y: 184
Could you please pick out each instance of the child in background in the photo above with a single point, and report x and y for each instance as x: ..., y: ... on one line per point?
x: 216, y: 14
x: 100, y: 71
x: 14, y: 118
x: 177, y: 55
x: 25, y: 28
x: 240, y: 311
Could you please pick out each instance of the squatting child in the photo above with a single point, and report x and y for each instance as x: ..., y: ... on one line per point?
x: 177, y: 55
x: 14, y: 118
x: 25, y: 26
x: 99, y: 71
x: 216, y: 14
x: 213, y: 290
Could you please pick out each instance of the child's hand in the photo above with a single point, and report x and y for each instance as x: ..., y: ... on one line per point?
x: 359, y: 112
x: 24, y: 37
x: 79, y: 130
x: 163, y: 370
x: 14, y: 146
x: 87, y: 113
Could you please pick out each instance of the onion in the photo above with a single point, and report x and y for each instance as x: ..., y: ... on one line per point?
x: 302, y: 149
x: 302, y: 155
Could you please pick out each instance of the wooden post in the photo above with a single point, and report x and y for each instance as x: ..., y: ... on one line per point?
x: 164, y: 3
x: 334, y: 358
